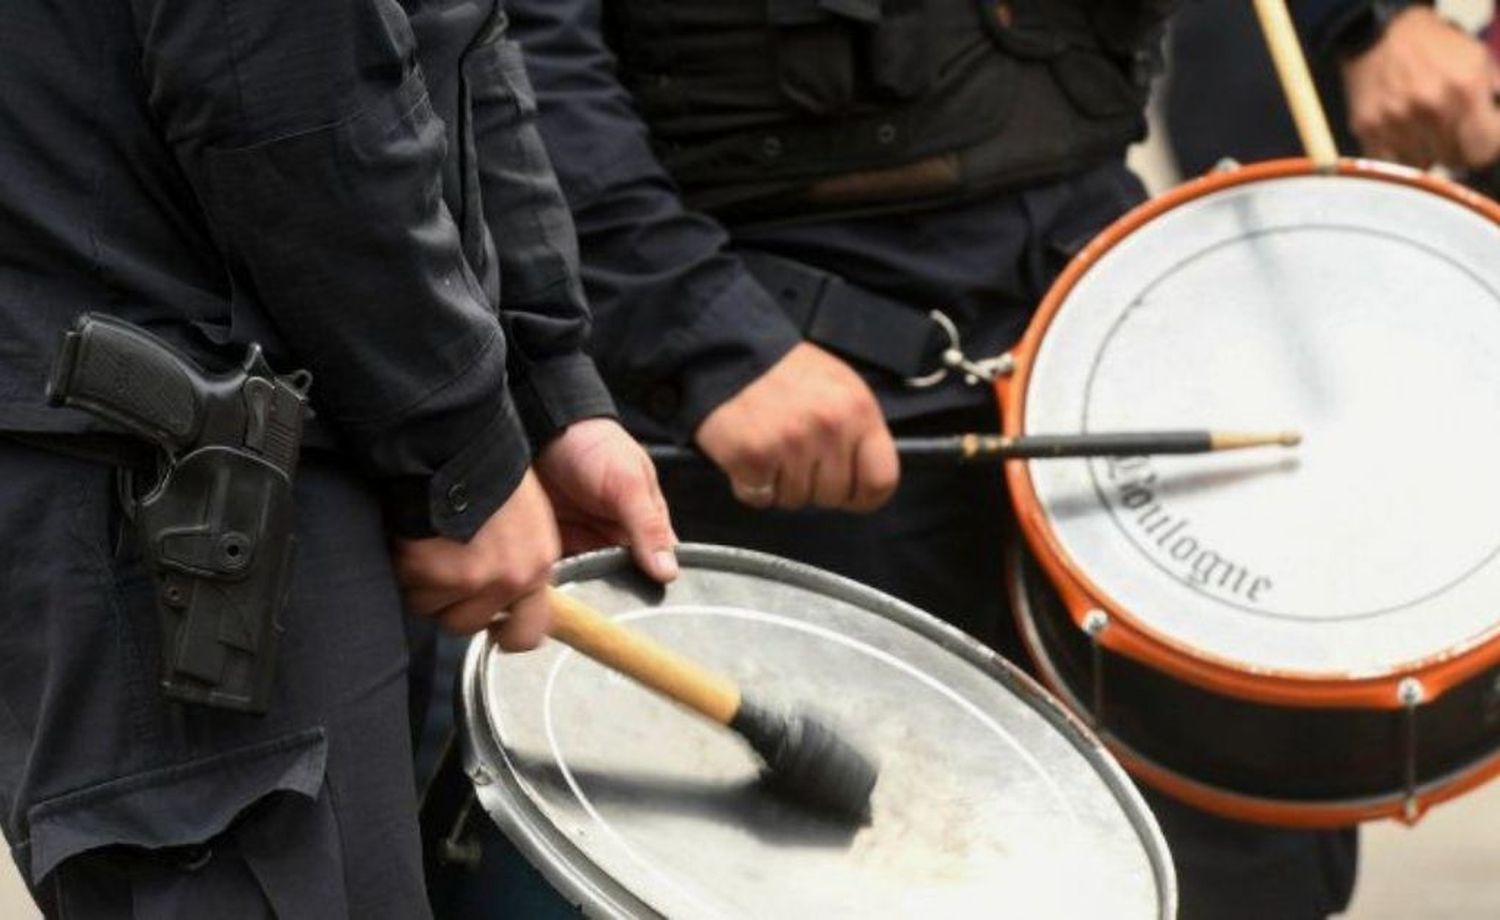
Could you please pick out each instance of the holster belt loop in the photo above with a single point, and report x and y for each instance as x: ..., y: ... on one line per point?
x: 850, y: 320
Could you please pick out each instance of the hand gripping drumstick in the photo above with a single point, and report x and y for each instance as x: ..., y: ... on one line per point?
x: 1297, y: 83
x: 805, y: 759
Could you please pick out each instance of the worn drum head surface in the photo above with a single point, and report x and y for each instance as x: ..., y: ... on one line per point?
x: 990, y: 800
x: 1364, y: 314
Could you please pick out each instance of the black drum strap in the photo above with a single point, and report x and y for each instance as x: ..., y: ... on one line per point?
x: 855, y: 322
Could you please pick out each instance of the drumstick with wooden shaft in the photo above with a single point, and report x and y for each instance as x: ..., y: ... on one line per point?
x: 982, y: 448
x: 806, y: 759
x: 1297, y: 83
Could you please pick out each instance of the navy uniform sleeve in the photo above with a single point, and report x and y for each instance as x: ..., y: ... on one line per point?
x: 305, y: 129
x: 681, y: 325
x: 1321, y: 22
x: 542, y: 304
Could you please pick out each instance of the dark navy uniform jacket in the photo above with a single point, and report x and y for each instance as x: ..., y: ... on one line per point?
x: 682, y: 324
x: 357, y: 185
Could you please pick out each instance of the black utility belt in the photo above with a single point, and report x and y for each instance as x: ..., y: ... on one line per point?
x: 922, y: 349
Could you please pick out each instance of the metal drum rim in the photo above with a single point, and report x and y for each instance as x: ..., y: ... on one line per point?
x: 574, y: 874
x: 1126, y: 634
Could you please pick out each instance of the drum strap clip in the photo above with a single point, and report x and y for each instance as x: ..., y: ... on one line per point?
x: 986, y: 370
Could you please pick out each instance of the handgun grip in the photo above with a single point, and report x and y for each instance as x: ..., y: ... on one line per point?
x: 129, y: 377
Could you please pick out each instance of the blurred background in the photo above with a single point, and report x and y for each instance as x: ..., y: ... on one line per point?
x: 1448, y: 866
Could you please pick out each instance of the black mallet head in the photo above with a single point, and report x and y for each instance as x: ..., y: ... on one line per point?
x: 807, y: 761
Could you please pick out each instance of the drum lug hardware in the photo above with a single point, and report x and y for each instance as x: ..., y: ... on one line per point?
x: 461, y: 848
x: 982, y: 370
x: 1492, y: 702
x: 1226, y: 165
x: 479, y: 776
x: 1095, y: 622
x: 1410, y: 694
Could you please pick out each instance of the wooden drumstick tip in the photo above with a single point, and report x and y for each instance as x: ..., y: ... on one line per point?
x: 1240, y: 440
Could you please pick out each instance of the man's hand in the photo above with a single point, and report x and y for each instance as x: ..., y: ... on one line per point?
x: 1425, y: 95
x: 807, y: 431
x: 495, y: 580
x: 604, y: 489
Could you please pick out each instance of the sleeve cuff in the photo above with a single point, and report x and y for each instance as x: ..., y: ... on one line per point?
x: 1338, y: 28
x: 465, y: 491
x: 553, y: 394
x: 736, y: 339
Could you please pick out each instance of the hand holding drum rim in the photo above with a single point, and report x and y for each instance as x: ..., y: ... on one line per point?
x: 592, y: 486
x: 806, y: 432
x: 604, y: 493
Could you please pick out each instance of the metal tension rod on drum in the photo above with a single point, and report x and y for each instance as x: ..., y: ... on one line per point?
x: 1297, y: 83
x: 806, y: 760
x: 994, y: 448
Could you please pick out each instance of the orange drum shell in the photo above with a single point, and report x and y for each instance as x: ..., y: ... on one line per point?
x: 1126, y: 635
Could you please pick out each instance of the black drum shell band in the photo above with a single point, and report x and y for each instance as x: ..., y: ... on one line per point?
x: 1278, y: 754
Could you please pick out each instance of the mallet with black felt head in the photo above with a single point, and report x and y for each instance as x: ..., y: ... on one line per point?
x: 806, y: 759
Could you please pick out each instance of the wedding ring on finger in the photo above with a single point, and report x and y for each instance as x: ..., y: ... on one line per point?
x: 760, y: 494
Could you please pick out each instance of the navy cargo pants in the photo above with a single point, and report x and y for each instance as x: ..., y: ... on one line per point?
x: 117, y: 802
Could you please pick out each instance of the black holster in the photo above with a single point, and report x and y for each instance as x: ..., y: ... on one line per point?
x: 217, y: 533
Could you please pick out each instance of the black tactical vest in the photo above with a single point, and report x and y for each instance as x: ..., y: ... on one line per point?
x: 774, y: 108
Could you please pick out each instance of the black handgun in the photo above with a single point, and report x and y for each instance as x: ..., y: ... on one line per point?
x: 216, y: 525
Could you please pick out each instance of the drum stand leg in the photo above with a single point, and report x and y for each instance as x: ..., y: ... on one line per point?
x: 1094, y: 624
x: 1410, y: 693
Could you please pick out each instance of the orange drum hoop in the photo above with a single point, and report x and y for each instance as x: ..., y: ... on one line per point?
x: 1116, y: 628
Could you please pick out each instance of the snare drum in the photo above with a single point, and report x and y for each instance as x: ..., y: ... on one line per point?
x: 992, y: 799
x: 1302, y: 637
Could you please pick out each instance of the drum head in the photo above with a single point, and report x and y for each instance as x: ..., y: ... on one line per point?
x: 991, y: 799
x: 1362, y: 310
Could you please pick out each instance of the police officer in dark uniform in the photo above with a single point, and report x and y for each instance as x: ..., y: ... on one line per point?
x: 771, y: 196
x: 1399, y: 81
x: 352, y: 185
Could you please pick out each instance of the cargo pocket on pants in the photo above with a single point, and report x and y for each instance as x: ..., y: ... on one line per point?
x: 179, y: 840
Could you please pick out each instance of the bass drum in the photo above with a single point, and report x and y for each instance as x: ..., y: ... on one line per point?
x: 992, y: 799
x: 1306, y: 637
